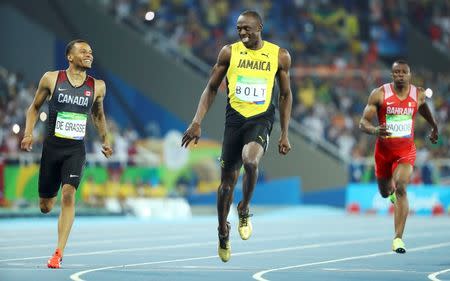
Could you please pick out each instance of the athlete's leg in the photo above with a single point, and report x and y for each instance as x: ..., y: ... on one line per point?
x: 66, y: 216
x: 224, y: 200
x: 402, y: 175
x: 231, y: 163
x: 46, y: 204
x: 71, y: 173
x: 251, y: 156
x: 49, y: 183
x: 49, y: 178
x: 385, y: 186
x: 383, y: 172
x: 225, y: 197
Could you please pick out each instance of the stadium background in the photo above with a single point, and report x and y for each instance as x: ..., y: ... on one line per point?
x: 155, y: 72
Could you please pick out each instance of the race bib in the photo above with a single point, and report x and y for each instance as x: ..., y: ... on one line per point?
x: 251, y: 89
x: 70, y: 125
x: 400, y: 126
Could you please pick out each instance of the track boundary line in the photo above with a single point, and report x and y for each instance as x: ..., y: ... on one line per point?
x: 259, y: 275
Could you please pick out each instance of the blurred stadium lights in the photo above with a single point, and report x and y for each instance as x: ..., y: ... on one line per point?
x: 43, y: 116
x: 150, y: 15
x: 16, y: 129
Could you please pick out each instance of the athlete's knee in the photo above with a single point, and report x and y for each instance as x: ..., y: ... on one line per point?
x: 45, y: 207
x: 229, y: 178
x: 250, y: 166
x: 68, y: 197
x: 225, y: 189
x: 400, y: 188
x: 68, y: 200
x: 384, y: 193
x: 385, y: 190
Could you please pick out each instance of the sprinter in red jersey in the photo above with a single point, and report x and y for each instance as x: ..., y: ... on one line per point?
x: 396, y: 105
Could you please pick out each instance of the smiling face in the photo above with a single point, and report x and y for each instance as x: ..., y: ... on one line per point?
x: 81, y: 56
x: 249, y: 30
x: 401, y: 74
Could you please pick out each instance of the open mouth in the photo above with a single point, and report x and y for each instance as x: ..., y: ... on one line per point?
x: 245, y: 39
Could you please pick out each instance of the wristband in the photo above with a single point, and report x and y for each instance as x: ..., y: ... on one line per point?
x: 377, y: 131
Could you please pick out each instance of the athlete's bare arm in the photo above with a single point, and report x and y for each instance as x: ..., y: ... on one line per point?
x: 218, y: 72
x: 44, y: 90
x: 425, y: 111
x: 285, y: 99
x: 370, y: 111
x: 98, y: 117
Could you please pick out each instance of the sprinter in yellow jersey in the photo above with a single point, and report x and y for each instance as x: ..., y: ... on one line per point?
x: 251, y: 66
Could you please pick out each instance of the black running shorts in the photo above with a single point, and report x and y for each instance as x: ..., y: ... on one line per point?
x: 60, y: 165
x: 235, y: 137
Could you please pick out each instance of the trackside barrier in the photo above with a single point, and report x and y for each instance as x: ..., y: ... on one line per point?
x: 423, y: 199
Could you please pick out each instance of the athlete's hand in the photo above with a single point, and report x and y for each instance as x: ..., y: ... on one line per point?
x: 381, y: 131
x: 27, y: 143
x: 283, y: 145
x: 107, y: 150
x: 434, y: 135
x: 192, y: 133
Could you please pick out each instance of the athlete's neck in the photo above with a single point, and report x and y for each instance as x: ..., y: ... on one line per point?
x: 258, y: 45
x: 401, y: 89
x: 76, y: 76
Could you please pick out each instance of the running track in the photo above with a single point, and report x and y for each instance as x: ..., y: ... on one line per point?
x: 288, y: 244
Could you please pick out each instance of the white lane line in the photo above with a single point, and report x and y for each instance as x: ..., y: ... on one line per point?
x: 259, y: 275
x: 88, y: 235
x: 220, y: 268
x: 76, y: 276
x: 85, y: 235
x: 367, y: 270
x: 275, y: 238
x: 117, y: 237
x: 118, y: 251
x: 162, y: 247
x: 433, y: 276
x: 81, y: 243
x: 159, y: 238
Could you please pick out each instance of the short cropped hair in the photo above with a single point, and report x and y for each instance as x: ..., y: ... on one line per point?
x: 401, y: 61
x: 253, y: 14
x: 70, y: 45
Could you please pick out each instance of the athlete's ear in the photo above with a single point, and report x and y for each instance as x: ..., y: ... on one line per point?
x: 260, y: 27
x: 69, y: 58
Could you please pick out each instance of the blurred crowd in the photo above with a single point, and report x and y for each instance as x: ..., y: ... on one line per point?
x: 432, y: 18
x: 119, y: 181
x: 15, y: 97
x: 341, y: 50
